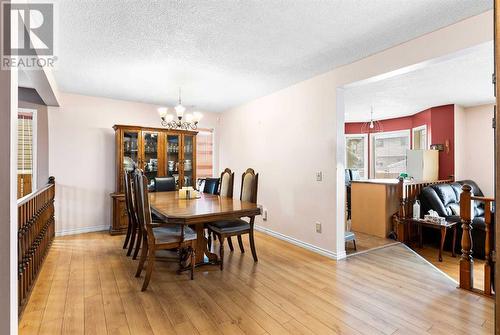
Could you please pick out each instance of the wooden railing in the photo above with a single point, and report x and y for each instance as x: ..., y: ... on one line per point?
x: 408, y: 192
x: 35, y: 234
x: 466, y: 260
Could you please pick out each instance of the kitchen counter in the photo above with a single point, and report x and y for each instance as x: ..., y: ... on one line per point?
x: 373, y: 202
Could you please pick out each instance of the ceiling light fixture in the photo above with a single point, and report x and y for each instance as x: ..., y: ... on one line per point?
x: 189, y: 123
x: 373, y: 126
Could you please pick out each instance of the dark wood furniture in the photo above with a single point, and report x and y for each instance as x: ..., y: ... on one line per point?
x: 408, y: 192
x: 466, y: 275
x: 225, y: 229
x: 36, y: 232
x: 441, y: 227
x: 209, y: 208
x: 168, y: 237
x: 158, y: 152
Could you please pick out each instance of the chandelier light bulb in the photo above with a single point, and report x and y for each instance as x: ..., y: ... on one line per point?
x: 197, y: 116
x: 163, y: 112
x: 179, y: 110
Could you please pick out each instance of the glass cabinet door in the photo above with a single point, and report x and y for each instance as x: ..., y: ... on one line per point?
x: 150, y: 155
x: 173, y: 152
x: 130, y: 149
x: 189, y: 162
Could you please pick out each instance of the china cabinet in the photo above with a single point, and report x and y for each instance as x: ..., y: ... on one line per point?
x: 158, y: 152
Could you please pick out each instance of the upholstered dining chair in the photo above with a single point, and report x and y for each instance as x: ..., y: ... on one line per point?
x: 211, y: 186
x: 133, y: 239
x: 166, y: 237
x: 239, y: 227
x: 226, y: 190
x: 164, y: 184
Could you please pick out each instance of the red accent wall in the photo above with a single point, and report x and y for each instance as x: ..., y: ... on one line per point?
x: 440, y: 127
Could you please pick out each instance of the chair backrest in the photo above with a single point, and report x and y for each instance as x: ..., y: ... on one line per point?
x: 249, y: 185
x: 164, y: 184
x: 211, y: 185
x: 144, y: 209
x: 129, y: 196
x: 226, y: 183
x: 142, y: 203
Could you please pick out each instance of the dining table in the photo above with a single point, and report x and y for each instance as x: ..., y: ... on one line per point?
x: 172, y: 209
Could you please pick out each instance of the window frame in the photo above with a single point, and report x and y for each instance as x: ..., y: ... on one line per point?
x: 212, y: 132
x: 34, y: 148
x: 386, y: 134
x: 365, y: 154
x: 414, y: 130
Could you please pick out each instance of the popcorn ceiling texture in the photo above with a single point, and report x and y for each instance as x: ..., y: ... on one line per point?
x: 225, y: 53
x: 465, y: 80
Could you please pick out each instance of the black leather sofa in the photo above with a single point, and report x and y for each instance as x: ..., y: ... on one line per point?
x: 445, y: 200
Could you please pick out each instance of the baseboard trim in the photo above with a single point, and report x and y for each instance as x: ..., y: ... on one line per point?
x: 302, y: 244
x: 83, y: 230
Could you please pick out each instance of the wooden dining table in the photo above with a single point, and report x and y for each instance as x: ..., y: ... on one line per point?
x: 170, y: 208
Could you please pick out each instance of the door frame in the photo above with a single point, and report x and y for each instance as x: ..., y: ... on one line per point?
x: 496, y: 41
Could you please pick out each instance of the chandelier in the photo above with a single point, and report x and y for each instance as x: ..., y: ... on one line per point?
x: 373, y: 126
x: 184, y: 122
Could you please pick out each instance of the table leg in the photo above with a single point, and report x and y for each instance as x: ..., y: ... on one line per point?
x: 443, y: 236
x: 454, y: 240
x: 202, y: 248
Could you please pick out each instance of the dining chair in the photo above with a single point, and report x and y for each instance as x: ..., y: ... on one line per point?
x: 211, y: 186
x: 226, y: 190
x: 134, y: 233
x: 239, y: 227
x: 164, y: 184
x: 131, y: 227
x: 166, y: 237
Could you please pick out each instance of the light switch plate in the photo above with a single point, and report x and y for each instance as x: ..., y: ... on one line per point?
x: 319, y: 176
x: 318, y: 227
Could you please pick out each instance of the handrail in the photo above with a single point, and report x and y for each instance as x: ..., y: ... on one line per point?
x: 36, y: 232
x: 28, y: 197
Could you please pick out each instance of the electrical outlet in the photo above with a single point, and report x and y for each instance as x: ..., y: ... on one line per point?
x: 319, y: 176
x: 318, y: 227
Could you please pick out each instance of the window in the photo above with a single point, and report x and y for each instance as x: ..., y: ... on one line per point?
x: 205, y: 153
x: 419, y: 138
x: 389, y: 153
x: 26, y: 130
x: 356, y: 156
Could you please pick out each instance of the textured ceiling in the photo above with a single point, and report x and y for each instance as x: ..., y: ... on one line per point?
x: 465, y: 79
x: 224, y: 53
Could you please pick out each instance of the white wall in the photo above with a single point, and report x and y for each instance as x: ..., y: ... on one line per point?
x: 290, y: 135
x: 474, y: 144
x: 82, y: 155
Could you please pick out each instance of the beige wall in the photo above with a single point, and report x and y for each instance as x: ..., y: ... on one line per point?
x: 290, y: 135
x: 474, y: 138
x: 82, y: 155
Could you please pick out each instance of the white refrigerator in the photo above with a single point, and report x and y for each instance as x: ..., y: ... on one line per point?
x: 422, y: 165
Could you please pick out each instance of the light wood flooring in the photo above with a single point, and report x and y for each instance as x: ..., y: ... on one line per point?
x: 87, y: 287
x: 450, y: 265
x: 365, y: 242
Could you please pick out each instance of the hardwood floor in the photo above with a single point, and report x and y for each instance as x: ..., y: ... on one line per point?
x: 450, y: 265
x: 87, y: 287
x: 365, y: 242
